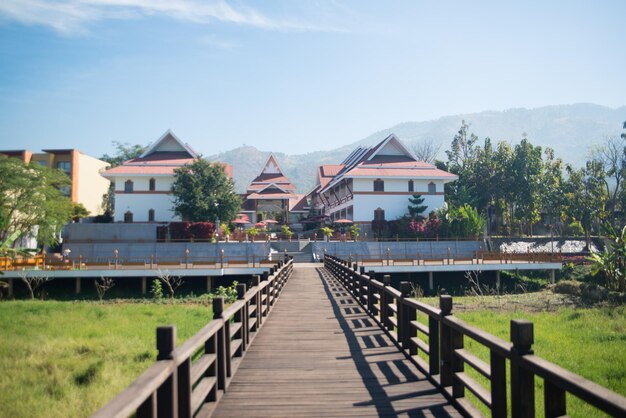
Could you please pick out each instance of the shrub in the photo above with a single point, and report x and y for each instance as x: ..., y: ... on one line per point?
x: 567, y: 287
x: 157, y: 289
x: 179, y: 230
x: 202, y: 230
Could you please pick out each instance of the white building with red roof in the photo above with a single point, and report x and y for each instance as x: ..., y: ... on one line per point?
x: 376, y: 183
x: 143, y: 185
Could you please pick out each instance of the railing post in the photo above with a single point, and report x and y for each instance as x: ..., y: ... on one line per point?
x: 445, y: 305
x: 404, y: 320
x: 257, y: 302
x: 384, y: 302
x: 370, y: 292
x: 241, y: 294
x: 167, y: 394
x: 522, y: 380
x: 218, y: 308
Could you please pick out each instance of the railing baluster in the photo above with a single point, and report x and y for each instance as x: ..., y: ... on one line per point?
x: 433, y: 346
x: 184, y: 389
x: 554, y: 400
x: 445, y: 304
x: 218, y: 308
x: 148, y: 408
x: 498, y: 385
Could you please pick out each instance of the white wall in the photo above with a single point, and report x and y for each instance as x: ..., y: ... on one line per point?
x: 393, y: 205
x: 140, y: 204
x: 396, y: 185
x: 142, y: 183
x: 394, y: 200
x: 141, y: 201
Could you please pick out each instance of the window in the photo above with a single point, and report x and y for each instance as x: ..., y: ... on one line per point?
x: 151, y: 215
x: 43, y: 163
x: 379, y: 214
x: 379, y: 185
x: 432, y: 188
x: 128, y: 217
x: 65, y: 166
x: 152, y: 185
x: 411, y: 186
x: 128, y: 186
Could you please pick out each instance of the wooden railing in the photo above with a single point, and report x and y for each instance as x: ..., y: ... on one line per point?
x: 190, y: 379
x: 390, y: 258
x: 442, y: 340
x: 119, y: 262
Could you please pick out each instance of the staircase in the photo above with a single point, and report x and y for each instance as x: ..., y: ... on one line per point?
x: 301, y: 251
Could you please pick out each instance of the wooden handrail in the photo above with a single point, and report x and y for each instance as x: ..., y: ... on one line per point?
x: 447, y: 356
x: 176, y: 385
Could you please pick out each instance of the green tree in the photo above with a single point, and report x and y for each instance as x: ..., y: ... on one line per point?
x: 124, y: 152
x: 611, y: 263
x: 416, y: 207
x: 585, y: 196
x: 30, y: 200
x: 79, y: 211
x: 551, y: 190
x: 203, y: 192
x: 526, y: 169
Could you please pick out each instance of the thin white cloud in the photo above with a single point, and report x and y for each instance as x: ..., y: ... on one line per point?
x: 70, y: 16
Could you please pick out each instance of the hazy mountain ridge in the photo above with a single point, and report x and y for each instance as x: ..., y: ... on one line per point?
x: 569, y: 129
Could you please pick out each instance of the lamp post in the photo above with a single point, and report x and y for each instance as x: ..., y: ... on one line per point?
x: 217, y: 222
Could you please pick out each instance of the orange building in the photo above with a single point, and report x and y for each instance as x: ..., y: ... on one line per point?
x: 87, y: 185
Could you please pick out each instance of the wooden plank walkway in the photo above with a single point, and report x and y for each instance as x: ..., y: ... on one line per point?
x: 320, y: 354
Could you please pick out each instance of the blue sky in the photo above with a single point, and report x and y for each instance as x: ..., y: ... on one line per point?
x: 294, y: 75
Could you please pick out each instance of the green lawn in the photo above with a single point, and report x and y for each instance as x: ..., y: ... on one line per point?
x: 67, y: 359
x: 588, y: 341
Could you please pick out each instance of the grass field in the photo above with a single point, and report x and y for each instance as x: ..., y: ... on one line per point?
x: 67, y: 359
x: 588, y: 341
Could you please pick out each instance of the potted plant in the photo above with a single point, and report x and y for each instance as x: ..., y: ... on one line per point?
x: 354, y: 231
x: 226, y: 232
x: 327, y: 231
x: 252, y: 232
x: 286, y: 232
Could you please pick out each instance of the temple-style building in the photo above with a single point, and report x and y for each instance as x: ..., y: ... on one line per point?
x: 375, y: 183
x: 271, y: 195
x: 143, y: 185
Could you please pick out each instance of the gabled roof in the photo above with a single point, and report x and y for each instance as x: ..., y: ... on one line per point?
x: 272, y: 191
x: 271, y: 174
x: 388, y: 158
x: 161, y: 158
x: 168, y: 142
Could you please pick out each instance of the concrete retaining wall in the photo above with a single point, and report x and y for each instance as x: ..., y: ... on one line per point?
x: 426, y: 249
x: 168, y: 249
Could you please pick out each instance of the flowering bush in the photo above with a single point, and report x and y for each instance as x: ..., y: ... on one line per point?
x: 202, y: 230
x: 179, y: 230
x: 426, y: 228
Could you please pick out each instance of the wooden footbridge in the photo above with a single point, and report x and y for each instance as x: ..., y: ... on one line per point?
x: 338, y: 343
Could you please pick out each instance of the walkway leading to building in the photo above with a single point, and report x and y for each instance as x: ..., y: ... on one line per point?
x: 320, y: 354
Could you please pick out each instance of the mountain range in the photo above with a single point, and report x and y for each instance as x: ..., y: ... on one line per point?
x: 569, y: 129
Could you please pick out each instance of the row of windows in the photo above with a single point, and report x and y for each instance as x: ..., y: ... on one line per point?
x: 379, y: 186
x: 129, y: 186
x: 128, y: 216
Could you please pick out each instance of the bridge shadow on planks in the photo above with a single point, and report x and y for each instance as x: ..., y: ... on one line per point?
x: 320, y: 354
